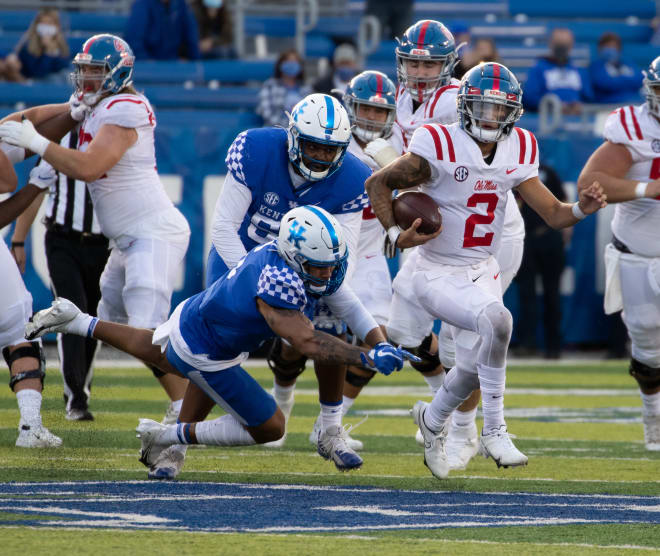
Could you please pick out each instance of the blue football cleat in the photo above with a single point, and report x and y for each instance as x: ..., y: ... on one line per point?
x: 332, y: 445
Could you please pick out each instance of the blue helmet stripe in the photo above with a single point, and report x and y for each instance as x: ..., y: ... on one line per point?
x: 330, y: 113
x: 327, y: 224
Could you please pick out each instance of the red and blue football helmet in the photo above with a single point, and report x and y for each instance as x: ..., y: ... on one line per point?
x: 489, y: 102
x: 652, y: 87
x: 370, y: 88
x: 113, y: 55
x: 426, y: 40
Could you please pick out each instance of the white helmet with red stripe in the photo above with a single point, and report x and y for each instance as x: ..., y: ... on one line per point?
x: 489, y: 102
x: 427, y: 42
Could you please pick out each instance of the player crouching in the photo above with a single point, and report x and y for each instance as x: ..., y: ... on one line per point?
x: 272, y: 291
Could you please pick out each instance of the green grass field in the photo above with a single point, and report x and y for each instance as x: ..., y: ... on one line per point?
x: 579, y: 424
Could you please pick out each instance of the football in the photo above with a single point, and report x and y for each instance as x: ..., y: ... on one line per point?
x: 410, y: 205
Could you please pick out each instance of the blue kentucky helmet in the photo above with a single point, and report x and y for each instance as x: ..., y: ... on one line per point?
x: 489, y: 102
x: 652, y: 86
x: 426, y: 40
x: 114, y: 56
x: 370, y: 88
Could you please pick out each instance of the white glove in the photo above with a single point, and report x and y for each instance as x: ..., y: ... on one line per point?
x: 22, y: 134
x: 381, y: 151
x: 43, y: 176
x: 78, y: 108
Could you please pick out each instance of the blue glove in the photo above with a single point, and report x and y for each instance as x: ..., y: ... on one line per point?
x: 385, y: 358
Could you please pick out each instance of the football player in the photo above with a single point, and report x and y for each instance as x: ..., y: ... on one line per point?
x: 457, y: 278
x: 271, y: 290
x: 116, y: 157
x: 272, y: 170
x: 627, y: 165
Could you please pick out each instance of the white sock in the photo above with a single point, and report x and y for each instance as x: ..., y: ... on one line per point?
x: 492, y: 381
x: 441, y: 407
x: 434, y: 382
x: 330, y: 415
x: 176, y: 434
x: 29, y: 406
x: 223, y: 431
x: 176, y: 405
x: 650, y: 403
x: 463, y: 418
x: 283, y: 393
x: 347, y: 403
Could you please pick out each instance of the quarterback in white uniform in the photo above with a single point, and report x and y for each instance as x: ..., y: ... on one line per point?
x: 468, y: 168
x: 628, y: 167
x: 116, y: 157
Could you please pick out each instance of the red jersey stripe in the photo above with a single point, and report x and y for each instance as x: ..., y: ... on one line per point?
x: 450, y: 144
x: 523, y: 145
x: 622, y: 116
x: 436, y: 140
x: 439, y: 93
x: 496, y: 76
x: 532, y: 157
x: 125, y: 100
x: 638, y: 130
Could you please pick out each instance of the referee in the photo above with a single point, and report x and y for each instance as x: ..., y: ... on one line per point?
x: 76, y: 252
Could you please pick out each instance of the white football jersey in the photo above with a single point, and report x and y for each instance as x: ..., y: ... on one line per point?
x: 372, y: 233
x: 472, y: 194
x: 131, y: 190
x: 439, y: 108
x: 636, y: 222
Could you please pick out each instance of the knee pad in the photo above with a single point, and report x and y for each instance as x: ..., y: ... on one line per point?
x: 357, y: 380
x: 283, y: 369
x: 647, y: 377
x: 494, y: 325
x: 429, y: 361
x: 33, y: 350
x: 155, y: 371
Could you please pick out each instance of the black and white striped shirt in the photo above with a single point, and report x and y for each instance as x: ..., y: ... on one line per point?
x: 69, y: 206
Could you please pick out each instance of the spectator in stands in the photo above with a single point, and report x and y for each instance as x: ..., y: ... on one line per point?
x: 41, y: 52
x: 216, y: 34
x: 281, y: 92
x: 484, y: 50
x: 345, y: 66
x: 557, y: 75
x: 544, y: 257
x: 395, y: 16
x: 614, y: 80
x: 162, y: 30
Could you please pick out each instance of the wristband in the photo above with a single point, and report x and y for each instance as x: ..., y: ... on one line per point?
x: 393, y: 232
x: 640, y: 189
x: 39, y: 144
x: 577, y: 212
x: 18, y: 244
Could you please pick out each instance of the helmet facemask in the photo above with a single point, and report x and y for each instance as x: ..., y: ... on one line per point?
x: 367, y: 128
x: 489, y: 117
x: 652, y: 93
x: 320, y: 286
x: 421, y: 88
x: 94, y: 79
x: 311, y: 166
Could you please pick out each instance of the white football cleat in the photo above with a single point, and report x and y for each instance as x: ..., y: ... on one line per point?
x: 36, y: 437
x: 352, y: 443
x: 149, y: 431
x: 435, y: 456
x: 169, y: 463
x: 498, y: 446
x: 56, y: 318
x: 332, y: 445
x: 462, y: 445
x: 419, y: 437
x: 652, y: 432
x: 171, y: 415
x: 287, y: 408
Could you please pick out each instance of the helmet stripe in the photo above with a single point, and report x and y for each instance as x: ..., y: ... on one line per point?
x: 327, y: 224
x: 422, y: 34
x: 330, y: 114
x: 379, y: 84
x: 496, y: 75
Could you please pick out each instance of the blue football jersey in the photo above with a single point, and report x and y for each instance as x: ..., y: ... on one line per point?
x: 224, y: 321
x: 258, y: 158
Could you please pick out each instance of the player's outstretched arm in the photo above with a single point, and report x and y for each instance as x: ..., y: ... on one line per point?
x: 555, y: 213
x: 53, y: 121
x: 608, y: 165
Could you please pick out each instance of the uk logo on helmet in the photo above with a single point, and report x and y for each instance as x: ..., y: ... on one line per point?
x: 296, y: 232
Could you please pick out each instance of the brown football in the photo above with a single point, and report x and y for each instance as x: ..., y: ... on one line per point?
x: 410, y: 205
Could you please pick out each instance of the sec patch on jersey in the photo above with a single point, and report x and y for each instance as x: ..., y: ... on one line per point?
x: 410, y: 205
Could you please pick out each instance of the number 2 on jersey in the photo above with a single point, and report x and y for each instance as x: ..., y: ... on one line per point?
x: 469, y: 239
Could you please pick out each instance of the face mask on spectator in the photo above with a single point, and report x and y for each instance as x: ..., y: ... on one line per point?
x: 610, y: 54
x: 291, y: 68
x: 560, y: 53
x: 212, y: 3
x: 46, y: 30
x: 345, y: 73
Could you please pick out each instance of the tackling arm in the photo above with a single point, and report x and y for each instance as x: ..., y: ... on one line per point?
x: 53, y: 121
x: 608, y: 165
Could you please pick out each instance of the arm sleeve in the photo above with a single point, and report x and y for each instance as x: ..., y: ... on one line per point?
x: 351, y: 223
x: 345, y: 304
x: 282, y: 288
x: 230, y: 209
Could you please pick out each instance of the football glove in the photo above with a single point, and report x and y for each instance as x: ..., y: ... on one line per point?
x: 385, y: 358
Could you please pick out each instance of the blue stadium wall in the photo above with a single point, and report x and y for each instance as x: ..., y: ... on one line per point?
x: 191, y: 148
